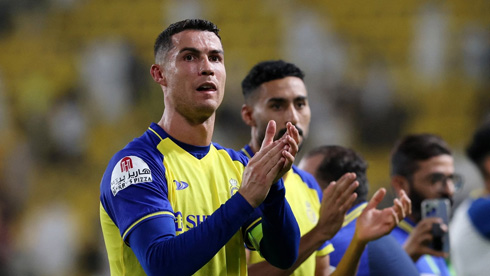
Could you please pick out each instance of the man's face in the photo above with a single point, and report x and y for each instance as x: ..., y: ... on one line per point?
x: 432, y: 180
x: 194, y: 74
x: 282, y: 100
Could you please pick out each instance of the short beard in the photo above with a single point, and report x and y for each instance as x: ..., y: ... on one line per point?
x: 281, y: 133
x: 417, y: 199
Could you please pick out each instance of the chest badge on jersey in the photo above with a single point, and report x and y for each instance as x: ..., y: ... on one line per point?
x: 233, y: 186
x: 128, y: 171
x: 310, y: 213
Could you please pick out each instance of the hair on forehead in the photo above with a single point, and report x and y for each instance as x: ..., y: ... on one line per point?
x: 268, y: 71
x: 411, y: 149
x: 163, y: 43
x: 337, y: 161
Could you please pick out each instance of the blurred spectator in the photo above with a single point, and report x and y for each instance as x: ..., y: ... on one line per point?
x: 47, y: 242
x: 423, y: 166
x: 106, y: 67
x: 67, y: 128
x: 383, y: 256
x: 470, y: 226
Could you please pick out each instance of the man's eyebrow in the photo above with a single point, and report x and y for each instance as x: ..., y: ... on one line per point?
x: 196, y: 51
x: 277, y: 100
x: 189, y: 49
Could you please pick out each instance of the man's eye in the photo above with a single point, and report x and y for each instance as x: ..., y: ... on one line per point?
x: 188, y: 57
x: 436, y: 178
x: 214, y: 58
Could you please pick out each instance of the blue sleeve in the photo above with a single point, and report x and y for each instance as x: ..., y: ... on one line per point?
x: 385, y: 256
x: 160, y: 252
x: 479, y: 213
x: 280, y: 243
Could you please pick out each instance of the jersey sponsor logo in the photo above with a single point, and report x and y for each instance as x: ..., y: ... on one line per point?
x: 128, y: 171
x: 233, y: 186
x: 188, y: 222
x: 180, y: 185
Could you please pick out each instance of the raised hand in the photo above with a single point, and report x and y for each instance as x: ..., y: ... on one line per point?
x: 337, y: 200
x: 291, y: 138
x: 267, y: 165
x: 418, y: 242
x: 373, y: 223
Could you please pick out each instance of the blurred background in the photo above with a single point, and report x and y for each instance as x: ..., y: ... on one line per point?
x: 75, y: 88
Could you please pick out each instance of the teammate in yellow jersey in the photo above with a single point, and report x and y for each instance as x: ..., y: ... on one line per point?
x: 274, y: 90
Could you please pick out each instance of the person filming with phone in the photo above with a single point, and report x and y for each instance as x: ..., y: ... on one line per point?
x: 423, y: 166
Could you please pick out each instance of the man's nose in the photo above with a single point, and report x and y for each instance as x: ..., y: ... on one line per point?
x: 448, y: 188
x: 292, y: 115
x: 206, y: 68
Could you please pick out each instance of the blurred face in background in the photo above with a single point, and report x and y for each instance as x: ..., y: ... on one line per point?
x: 434, y: 178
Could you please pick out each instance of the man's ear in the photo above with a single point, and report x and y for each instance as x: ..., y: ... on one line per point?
x: 399, y: 182
x: 247, y: 117
x: 156, y: 73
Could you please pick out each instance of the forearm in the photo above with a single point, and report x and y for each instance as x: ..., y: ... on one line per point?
x: 308, y: 245
x: 186, y: 253
x: 350, y: 261
x: 280, y: 243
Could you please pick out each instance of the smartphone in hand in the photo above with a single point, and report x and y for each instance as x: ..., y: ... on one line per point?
x: 440, y: 208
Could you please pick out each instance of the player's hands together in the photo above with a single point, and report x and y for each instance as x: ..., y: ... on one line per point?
x: 291, y: 138
x: 417, y: 244
x: 373, y: 223
x: 269, y: 164
x: 337, y: 200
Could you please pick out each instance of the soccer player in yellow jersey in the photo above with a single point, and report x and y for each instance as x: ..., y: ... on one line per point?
x: 172, y: 202
x: 274, y: 90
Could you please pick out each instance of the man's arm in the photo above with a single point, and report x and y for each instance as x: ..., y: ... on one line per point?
x: 281, y: 235
x: 337, y: 199
x: 161, y: 252
x: 280, y: 241
x: 371, y: 225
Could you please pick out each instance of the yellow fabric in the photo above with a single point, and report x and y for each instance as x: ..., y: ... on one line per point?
x: 305, y: 205
x: 122, y: 260
x: 212, y: 181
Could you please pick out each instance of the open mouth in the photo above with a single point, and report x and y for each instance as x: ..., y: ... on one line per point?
x: 207, y: 87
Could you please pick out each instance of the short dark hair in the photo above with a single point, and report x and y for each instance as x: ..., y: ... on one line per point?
x: 411, y: 149
x: 479, y: 146
x: 337, y: 161
x: 267, y: 71
x: 163, y: 43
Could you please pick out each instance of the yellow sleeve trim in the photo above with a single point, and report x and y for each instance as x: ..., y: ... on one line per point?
x: 405, y: 226
x: 354, y: 214
x: 246, y: 153
x: 155, y: 133
x: 145, y: 217
x: 325, y: 251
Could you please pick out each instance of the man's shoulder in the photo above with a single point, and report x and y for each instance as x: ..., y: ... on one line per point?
x: 233, y: 154
x: 306, y: 177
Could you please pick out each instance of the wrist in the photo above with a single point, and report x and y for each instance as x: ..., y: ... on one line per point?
x: 411, y: 253
x: 322, y: 234
x: 358, y: 239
